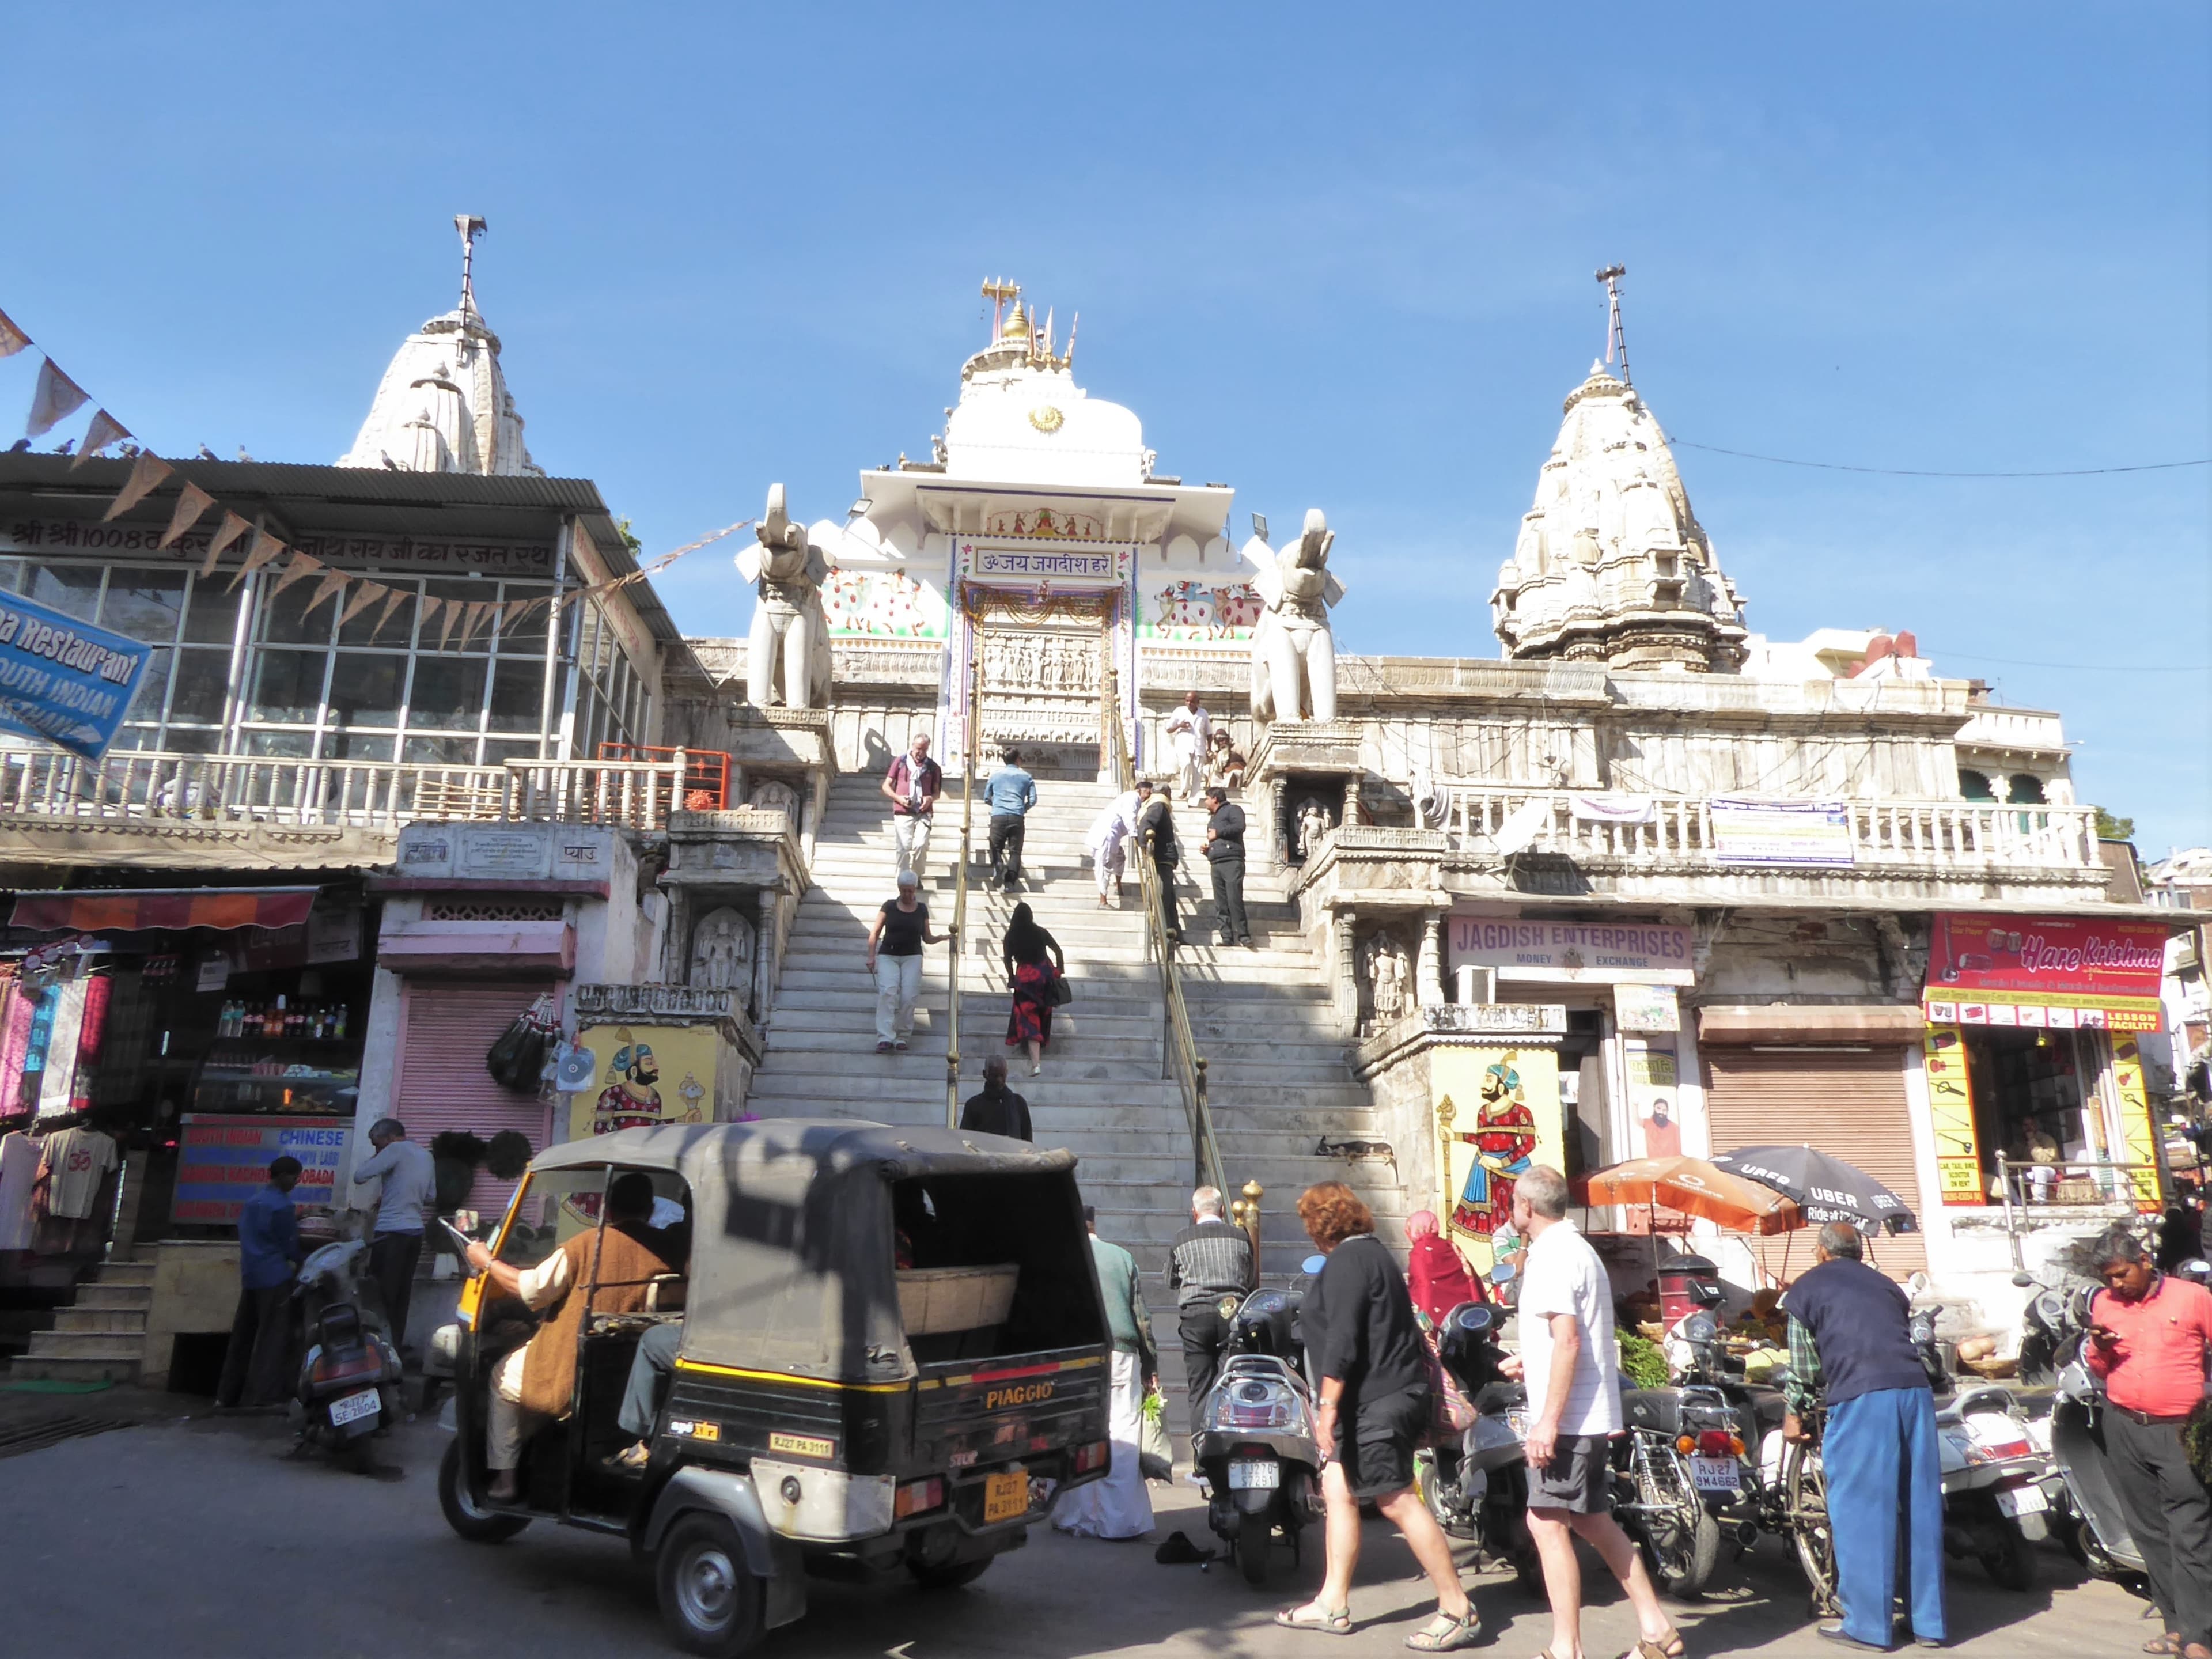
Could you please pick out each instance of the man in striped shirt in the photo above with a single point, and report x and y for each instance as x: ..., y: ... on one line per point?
x: 1209, y: 1269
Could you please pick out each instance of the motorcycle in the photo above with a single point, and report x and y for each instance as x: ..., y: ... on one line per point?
x: 348, y: 1382
x: 1690, y: 1458
x: 1254, y: 1442
x: 1482, y: 1491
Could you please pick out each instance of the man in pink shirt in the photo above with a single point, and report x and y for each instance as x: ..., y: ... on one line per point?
x: 2147, y: 1339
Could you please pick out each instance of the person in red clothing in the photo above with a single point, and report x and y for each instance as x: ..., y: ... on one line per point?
x: 2147, y: 1339
x: 1434, y: 1271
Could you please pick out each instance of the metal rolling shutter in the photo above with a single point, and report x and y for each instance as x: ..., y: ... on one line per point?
x: 449, y: 1025
x: 1848, y: 1102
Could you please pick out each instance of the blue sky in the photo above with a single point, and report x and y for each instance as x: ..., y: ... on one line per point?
x: 1335, y: 256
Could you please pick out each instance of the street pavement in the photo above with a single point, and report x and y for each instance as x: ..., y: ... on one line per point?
x: 199, y: 1539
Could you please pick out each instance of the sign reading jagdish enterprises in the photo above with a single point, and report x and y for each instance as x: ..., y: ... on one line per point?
x: 63, y: 680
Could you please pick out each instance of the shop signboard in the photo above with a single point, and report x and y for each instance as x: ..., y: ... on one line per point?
x: 2069, y: 973
x: 2136, y: 1128
x: 1951, y: 1115
x: 224, y: 1159
x: 1653, y: 1075
x: 1571, y: 951
x: 1646, y: 1008
x: 63, y: 680
x: 1794, y: 834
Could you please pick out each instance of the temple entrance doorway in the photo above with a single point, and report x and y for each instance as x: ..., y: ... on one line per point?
x: 1040, y: 664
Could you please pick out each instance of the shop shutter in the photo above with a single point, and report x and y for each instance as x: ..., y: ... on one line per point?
x: 1847, y: 1102
x: 448, y: 1027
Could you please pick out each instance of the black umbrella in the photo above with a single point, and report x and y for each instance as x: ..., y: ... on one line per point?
x: 1826, y: 1188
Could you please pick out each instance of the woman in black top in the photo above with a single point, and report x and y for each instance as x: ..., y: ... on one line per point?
x: 1373, y: 1414
x: 1034, y: 962
x: 895, y: 942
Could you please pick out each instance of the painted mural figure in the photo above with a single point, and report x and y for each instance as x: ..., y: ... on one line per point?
x: 1504, y: 1142
x: 787, y: 650
x: 630, y: 1101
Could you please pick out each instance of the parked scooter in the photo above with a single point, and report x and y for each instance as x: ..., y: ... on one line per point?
x: 1994, y: 1500
x: 1254, y: 1432
x: 1483, y: 1491
x: 348, y: 1382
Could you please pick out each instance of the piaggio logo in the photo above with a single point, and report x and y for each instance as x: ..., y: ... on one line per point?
x: 1025, y: 1393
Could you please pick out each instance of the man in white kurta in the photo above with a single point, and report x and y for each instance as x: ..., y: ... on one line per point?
x: 1118, y: 1506
x: 1190, y: 729
x: 1107, y: 841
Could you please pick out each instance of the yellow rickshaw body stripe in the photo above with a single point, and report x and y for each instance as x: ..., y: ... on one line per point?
x: 702, y: 1366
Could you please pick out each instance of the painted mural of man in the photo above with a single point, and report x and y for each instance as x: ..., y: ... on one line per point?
x: 629, y: 1100
x: 1504, y: 1142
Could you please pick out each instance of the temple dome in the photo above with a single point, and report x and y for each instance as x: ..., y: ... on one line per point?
x: 1023, y: 419
x: 1612, y: 565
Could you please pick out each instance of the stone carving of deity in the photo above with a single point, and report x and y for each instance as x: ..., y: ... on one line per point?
x: 1312, y: 825
x: 787, y: 652
x: 774, y: 796
x: 1390, y: 980
x: 1293, y: 652
x: 722, y: 952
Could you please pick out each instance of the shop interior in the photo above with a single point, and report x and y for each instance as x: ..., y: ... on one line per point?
x: 2031, y: 1103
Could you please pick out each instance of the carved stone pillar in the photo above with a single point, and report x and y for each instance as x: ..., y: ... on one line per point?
x: 1429, y: 964
x: 1345, y: 972
x: 1350, y: 813
x: 1279, y: 839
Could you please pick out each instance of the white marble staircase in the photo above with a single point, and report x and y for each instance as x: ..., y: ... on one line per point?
x: 1278, y: 1080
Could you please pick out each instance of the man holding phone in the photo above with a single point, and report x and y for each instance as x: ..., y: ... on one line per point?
x: 2147, y: 1337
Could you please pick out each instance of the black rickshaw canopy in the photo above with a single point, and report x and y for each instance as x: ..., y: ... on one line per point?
x: 793, y: 1253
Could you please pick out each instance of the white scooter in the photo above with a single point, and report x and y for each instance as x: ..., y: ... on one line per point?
x: 348, y: 1382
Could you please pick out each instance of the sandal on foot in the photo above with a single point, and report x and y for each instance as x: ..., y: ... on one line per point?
x: 1446, y: 1634
x: 1668, y: 1646
x: 2169, y: 1643
x: 1335, y: 1621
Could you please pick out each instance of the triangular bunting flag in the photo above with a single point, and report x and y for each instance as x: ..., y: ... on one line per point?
x: 104, y: 430
x: 393, y: 596
x: 146, y: 475
x: 515, y: 610
x: 453, y: 612
x: 12, y: 338
x: 473, y: 618
x: 229, y: 531
x: 57, y: 398
x: 191, y: 506
x: 302, y: 565
x: 332, y: 583
x: 266, y: 547
x: 365, y: 594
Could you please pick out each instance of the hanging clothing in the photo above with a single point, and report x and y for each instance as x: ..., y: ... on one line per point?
x: 15, y: 1046
x: 19, y: 1177
x: 76, y: 1161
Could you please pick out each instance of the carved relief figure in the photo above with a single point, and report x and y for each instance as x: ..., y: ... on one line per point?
x: 1312, y: 825
x: 1293, y: 653
x: 774, y: 796
x: 790, y: 632
x: 1504, y: 1142
x: 1390, y: 980
x: 722, y: 952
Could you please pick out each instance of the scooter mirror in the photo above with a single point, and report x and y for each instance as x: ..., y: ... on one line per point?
x: 1312, y: 1265
x: 2021, y: 1281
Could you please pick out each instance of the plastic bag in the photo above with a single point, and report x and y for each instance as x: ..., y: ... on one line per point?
x: 1155, y: 1453
x: 517, y: 1060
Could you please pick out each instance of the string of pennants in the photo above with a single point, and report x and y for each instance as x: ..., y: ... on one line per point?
x: 57, y: 397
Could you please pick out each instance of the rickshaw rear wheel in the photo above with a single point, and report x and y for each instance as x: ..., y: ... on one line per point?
x: 953, y: 1577
x: 463, y: 1514
x: 711, y: 1602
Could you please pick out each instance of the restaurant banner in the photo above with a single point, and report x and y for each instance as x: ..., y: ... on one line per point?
x: 1792, y: 835
x: 2067, y: 973
x: 224, y: 1159
x: 63, y: 680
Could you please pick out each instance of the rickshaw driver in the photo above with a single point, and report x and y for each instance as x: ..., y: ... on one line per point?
x: 536, y: 1381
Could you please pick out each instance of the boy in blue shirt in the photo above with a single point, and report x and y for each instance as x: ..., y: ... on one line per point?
x: 1010, y: 792
x: 254, y: 1364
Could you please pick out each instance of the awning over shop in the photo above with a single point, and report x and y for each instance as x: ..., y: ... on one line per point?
x: 1875, y: 1025
x: 138, y: 909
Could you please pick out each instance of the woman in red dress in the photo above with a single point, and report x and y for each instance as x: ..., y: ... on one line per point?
x: 1434, y: 1272
x: 1034, y: 961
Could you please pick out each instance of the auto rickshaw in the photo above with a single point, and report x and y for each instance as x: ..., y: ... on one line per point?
x: 893, y: 1355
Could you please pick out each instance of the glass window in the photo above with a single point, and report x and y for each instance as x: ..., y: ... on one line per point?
x: 398, y: 627
x: 144, y: 604
x: 527, y: 632
x: 152, y: 689
x: 212, y: 616
x: 282, y: 745
x: 288, y: 686
x: 285, y: 620
x: 11, y: 575
x: 440, y: 751
x: 73, y: 590
x: 511, y: 749
x: 203, y: 682
x: 202, y: 740
x: 518, y: 694
x: 587, y: 632
x: 359, y: 746
x: 365, y: 688
x: 447, y: 694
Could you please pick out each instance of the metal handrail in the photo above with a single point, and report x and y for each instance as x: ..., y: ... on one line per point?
x: 960, y: 882
x: 1179, y: 1044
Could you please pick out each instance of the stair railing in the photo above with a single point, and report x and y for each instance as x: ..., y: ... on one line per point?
x: 1179, y: 1055
x: 968, y: 744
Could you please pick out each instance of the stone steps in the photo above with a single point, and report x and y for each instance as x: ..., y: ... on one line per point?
x: 101, y: 1337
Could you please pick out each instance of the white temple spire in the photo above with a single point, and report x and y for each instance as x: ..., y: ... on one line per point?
x: 443, y: 405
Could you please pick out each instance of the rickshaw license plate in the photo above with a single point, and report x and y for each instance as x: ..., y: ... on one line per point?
x: 1715, y: 1473
x: 353, y: 1406
x: 1006, y: 1496
x: 1254, y: 1474
x: 2020, y: 1500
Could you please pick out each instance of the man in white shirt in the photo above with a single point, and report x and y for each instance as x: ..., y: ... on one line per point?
x: 1190, y: 729
x: 1108, y: 843
x: 1571, y: 1365
x: 395, y: 1245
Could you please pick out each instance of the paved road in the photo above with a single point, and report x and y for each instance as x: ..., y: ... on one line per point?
x: 198, y: 1539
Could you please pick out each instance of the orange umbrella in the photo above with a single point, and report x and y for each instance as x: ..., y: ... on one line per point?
x: 1696, y: 1188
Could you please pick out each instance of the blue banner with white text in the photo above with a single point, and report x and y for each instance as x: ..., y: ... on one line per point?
x: 64, y: 681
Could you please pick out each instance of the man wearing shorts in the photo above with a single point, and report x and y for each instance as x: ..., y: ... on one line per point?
x: 1572, y: 1366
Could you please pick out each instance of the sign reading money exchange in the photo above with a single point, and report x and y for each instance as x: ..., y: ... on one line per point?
x: 63, y: 681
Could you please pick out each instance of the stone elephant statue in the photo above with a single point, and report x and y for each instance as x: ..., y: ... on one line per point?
x: 1293, y: 652
x: 789, y: 632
